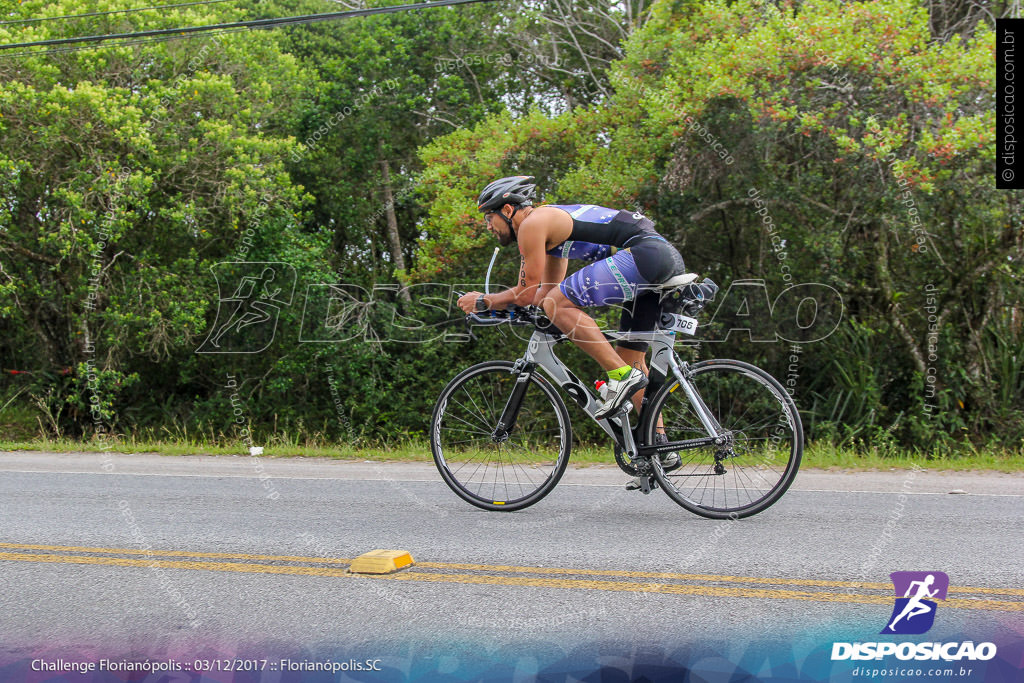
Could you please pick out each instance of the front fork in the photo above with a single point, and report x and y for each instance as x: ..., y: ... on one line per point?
x: 509, y: 415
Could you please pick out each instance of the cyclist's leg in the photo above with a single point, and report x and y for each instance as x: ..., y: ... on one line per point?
x: 656, y: 261
x: 634, y: 359
x: 613, y: 280
x: 639, y: 317
x: 565, y: 313
x: 610, y: 281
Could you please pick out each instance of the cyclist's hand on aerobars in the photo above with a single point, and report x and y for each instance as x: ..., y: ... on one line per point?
x: 467, y: 302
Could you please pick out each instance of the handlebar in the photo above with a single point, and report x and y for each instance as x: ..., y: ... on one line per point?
x: 514, y: 315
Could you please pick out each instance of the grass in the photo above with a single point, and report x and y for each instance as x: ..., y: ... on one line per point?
x: 823, y: 455
x: 816, y: 455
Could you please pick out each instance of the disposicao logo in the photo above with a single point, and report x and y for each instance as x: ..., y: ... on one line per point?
x: 914, y: 613
x: 247, y: 318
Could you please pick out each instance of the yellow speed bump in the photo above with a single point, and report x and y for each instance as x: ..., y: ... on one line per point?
x: 381, y: 562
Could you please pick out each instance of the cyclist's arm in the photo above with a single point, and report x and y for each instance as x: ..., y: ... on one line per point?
x: 533, y: 267
x: 502, y: 300
x: 532, y: 240
x: 499, y: 300
x: 531, y: 272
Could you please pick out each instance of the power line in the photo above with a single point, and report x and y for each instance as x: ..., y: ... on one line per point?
x: 250, y: 24
x: 114, y: 11
x: 122, y: 43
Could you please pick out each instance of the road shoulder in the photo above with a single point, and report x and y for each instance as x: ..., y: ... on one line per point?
x: 907, y: 481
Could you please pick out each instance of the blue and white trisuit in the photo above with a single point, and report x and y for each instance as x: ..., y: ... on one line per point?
x: 643, y: 258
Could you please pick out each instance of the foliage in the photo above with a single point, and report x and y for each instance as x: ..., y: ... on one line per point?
x: 847, y: 144
x: 126, y: 173
x: 826, y: 142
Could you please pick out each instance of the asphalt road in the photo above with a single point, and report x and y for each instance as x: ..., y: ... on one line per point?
x: 223, y: 557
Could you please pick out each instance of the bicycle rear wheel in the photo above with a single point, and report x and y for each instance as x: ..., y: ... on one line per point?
x: 762, y: 448
x: 498, y: 472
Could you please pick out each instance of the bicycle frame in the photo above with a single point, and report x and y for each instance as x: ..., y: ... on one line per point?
x: 540, y: 353
x: 734, y: 388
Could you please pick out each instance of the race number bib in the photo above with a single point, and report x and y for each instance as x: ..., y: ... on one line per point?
x: 683, y: 324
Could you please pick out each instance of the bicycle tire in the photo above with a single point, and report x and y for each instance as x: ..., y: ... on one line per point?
x: 728, y: 387
x: 462, y: 443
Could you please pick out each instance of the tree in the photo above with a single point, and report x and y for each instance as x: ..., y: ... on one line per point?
x: 869, y: 144
x: 126, y: 173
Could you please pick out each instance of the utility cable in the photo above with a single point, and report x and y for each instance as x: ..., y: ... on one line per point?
x: 113, y: 11
x: 250, y: 24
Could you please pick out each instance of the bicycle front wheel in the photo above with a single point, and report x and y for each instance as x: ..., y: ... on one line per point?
x: 494, y: 470
x: 762, y: 445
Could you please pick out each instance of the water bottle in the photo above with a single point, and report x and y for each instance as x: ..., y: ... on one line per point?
x: 602, y: 388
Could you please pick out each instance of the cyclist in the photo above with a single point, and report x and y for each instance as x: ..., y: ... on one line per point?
x: 625, y: 252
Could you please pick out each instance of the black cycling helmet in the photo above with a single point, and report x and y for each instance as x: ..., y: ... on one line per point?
x: 517, y: 190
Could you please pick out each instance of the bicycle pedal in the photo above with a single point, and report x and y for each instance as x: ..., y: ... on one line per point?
x: 644, y: 484
x: 648, y: 484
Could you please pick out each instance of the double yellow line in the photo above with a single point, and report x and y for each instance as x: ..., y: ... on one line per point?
x: 706, y: 585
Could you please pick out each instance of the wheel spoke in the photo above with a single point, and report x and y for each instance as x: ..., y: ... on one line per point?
x: 480, y: 412
x: 516, y: 471
x: 765, y: 450
x: 469, y: 412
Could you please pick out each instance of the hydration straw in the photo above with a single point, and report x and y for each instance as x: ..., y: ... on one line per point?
x: 487, y: 279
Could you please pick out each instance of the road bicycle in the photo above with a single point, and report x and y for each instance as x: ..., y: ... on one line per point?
x: 501, y: 436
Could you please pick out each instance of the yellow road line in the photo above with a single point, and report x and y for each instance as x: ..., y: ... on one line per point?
x: 699, y: 577
x: 520, y: 569
x: 619, y: 586
x: 177, y: 564
x: 515, y: 568
x: 653, y: 575
x: 174, y: 553
x: 684, y: 589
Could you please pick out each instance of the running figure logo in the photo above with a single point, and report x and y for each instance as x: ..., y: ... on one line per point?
x: 915, y: 612
x: 258, y: 292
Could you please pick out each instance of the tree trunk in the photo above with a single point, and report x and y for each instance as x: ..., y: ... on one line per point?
x: 397, y: 260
